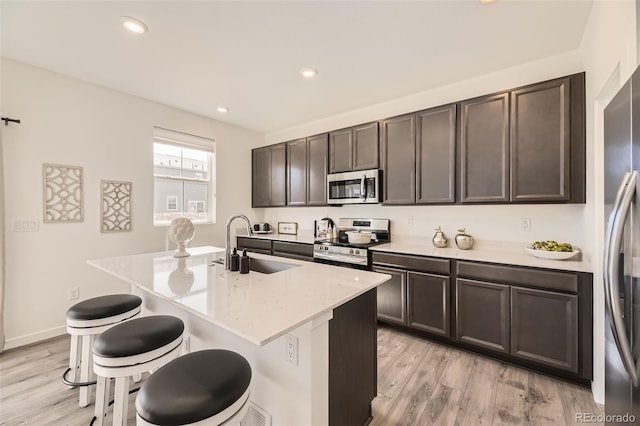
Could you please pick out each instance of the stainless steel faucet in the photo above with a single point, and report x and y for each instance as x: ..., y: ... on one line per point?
x: 227, y: 248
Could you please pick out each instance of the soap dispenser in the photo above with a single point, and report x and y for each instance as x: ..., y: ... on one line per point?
x: 244, y: 262
x: 235, y: 260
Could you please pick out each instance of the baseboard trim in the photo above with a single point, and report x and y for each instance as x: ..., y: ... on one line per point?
x: 28, y: 339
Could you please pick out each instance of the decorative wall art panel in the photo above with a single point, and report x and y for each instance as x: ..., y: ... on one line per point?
x: 63, y: 193
x: 116, y: 206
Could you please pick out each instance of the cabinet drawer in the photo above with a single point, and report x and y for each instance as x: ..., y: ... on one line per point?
x: 300, y: 249
x: 254, y: 243
x: 414, y: 263
x: 552, y: 280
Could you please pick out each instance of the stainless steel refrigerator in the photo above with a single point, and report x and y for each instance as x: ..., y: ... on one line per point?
x: 622, y: 251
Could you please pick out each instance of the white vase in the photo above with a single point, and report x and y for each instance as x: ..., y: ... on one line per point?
x: 181, y: 231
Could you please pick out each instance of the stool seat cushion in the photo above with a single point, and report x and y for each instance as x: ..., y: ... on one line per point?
x: 138, y: 336
x: 194, y: 387
x: 103, y: 306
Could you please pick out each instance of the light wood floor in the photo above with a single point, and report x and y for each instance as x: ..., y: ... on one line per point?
x: 424, y: 383
x: 419, y: 383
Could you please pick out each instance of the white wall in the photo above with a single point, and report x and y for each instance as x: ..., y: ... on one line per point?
x: 109, y: 134
x: 609, y: 50
x: 501, y: 223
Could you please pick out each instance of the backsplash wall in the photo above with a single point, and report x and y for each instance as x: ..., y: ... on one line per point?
x: 484, y: 223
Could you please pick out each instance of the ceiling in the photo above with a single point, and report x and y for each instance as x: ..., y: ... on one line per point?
x: 246, y: 55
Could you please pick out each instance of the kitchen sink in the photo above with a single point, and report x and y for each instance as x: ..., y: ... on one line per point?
x: 269, y: 266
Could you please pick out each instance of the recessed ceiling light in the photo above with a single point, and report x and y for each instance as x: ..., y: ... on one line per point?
x: 223, y: 109
x: 309, y: 72
x: 134, y: 25
x: 487, y: 1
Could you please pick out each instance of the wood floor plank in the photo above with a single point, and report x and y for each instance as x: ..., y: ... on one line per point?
x: 511, y: 406
x: 404, y: 366
x: 479, y: 400
x: 442, y: 407
x: 543, y: 399
x: 577, y: 400
x: 459, y: 366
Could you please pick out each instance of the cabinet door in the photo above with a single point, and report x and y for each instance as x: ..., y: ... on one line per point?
x: 340, y: 151
x: 261, y: 177
x: 365, y: 147
x: 540, y: 142
x: 278, y: 175
x: 398, y: 150
x: 544, y: 327
x: 482, y: 314
x: 392, y: 296
x: 297, y: 173
x: 484, y: 149
x: 317, y: 170
x: 436, y: 155
x: 428, y: 302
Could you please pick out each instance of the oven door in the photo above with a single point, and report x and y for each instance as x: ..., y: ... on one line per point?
x: 362, y: 187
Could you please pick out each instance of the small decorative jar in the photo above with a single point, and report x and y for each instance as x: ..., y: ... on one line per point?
x: 439, y: 239
x: 463, y: 241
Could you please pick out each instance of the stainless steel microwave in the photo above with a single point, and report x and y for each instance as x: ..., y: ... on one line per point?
x: 361, y: 187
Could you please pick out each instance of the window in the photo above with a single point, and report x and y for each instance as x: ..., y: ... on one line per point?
x: 184, y: 177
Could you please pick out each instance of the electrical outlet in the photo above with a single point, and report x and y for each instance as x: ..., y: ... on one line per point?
x: 73, y: 293
x: 26, y: 225
x: 409, y: 220
x: 292, y: 349
x: 525, y: 224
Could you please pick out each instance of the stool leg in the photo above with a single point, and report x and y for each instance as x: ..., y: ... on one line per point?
x: 74, y: 363
x: 102, y: 399
x: 85, y: 362
x: 121, y: 401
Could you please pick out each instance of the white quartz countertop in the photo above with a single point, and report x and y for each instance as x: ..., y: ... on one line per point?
x: 494, y: 252
x: 257, y: 307
x: 303, y: 238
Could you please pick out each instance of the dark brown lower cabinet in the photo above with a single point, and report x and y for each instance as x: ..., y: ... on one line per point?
x: 300, y: 251
x: 254, y: 245
x: 534, y: 317
x: 482, y: 314
x: 392, y: 296
x: 544, y: 327
x: 428, y: 302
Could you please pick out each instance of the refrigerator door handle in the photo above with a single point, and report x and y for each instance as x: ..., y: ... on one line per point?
x: 613, y: 242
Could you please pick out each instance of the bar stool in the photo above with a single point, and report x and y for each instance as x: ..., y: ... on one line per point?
x: 130, y: 349
x: 203, y: 388
x: 85, y: 320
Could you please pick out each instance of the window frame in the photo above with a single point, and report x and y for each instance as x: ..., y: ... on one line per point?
x: 181, y: 140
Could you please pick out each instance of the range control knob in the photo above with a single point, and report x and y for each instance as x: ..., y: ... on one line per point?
x: 357, y: 251
x: 351, y: 251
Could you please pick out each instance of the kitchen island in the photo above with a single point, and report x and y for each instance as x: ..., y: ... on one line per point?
x: 307, y: 329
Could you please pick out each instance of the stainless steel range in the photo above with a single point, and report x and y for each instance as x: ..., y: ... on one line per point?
x: 343, y: 253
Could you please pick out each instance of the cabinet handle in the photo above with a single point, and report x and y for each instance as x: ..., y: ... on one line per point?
x: 613, y: 242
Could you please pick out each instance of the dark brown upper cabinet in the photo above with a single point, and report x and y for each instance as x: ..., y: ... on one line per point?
x: 307, y: 171
x: 355, y: 148
x: 526, y: 145
x: 484, y: 149
x: 397, y: 149
x: 543, y: 142
x: 436, y: 155
x: 268, y: 176
x: 297, y: 173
